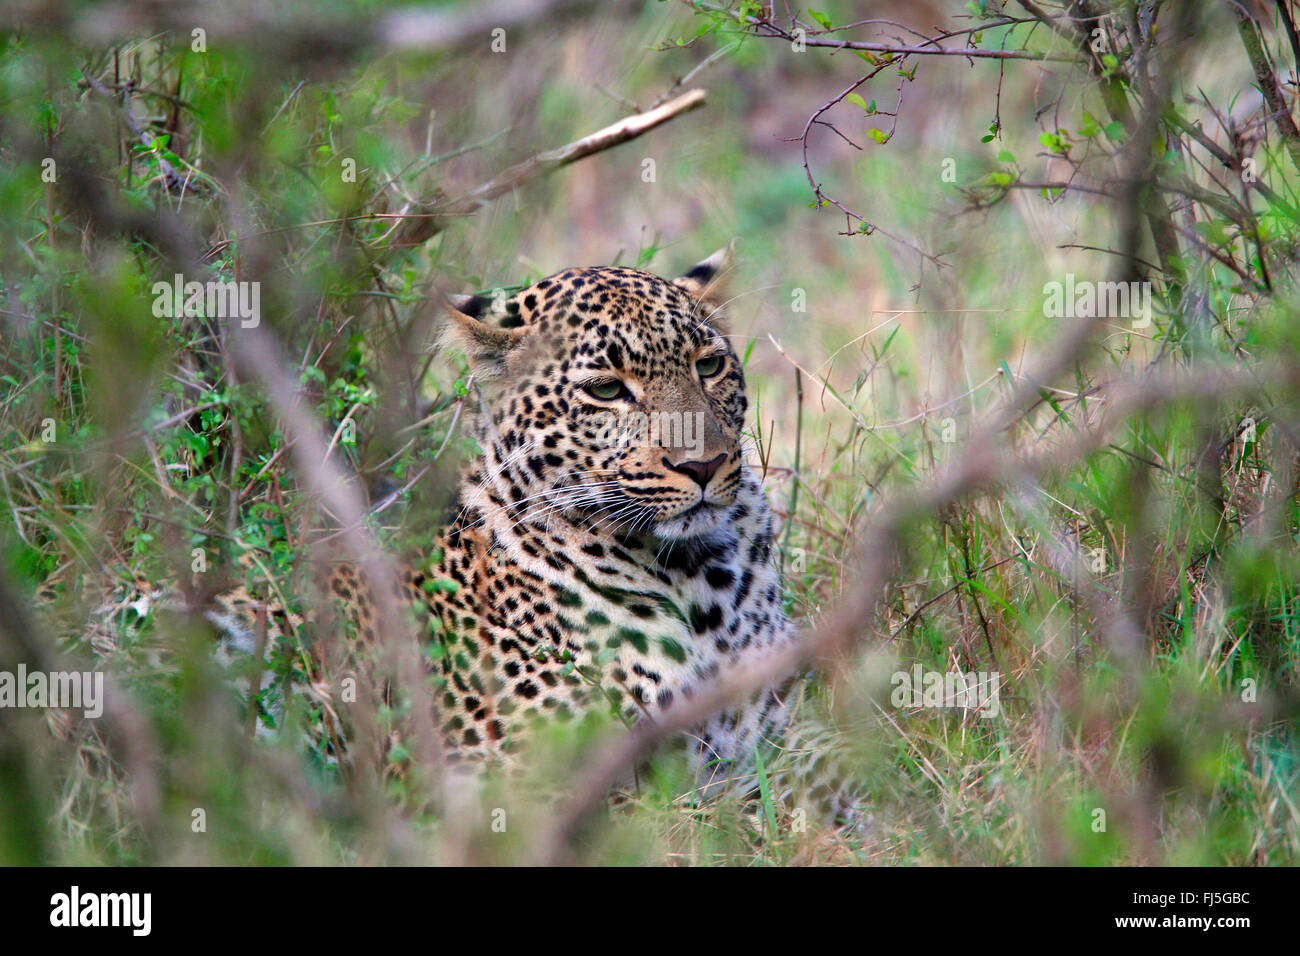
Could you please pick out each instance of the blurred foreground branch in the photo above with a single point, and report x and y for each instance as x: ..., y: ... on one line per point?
x: 290, y: 32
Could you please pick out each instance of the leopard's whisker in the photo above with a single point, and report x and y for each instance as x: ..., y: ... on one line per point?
x: 554, y: 508
x: 549, y: 493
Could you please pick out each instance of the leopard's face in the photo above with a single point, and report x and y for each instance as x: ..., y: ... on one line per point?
x: 615, y: 396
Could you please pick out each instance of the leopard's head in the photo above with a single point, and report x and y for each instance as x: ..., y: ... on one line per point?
x: 611, y: 395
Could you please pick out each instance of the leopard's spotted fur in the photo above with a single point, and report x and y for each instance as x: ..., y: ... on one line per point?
x: 587, y: 571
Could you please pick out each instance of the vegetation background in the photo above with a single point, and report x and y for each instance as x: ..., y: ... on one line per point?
x: 1101, y: 511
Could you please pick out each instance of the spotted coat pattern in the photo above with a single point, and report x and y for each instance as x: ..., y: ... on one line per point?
x: 591, y: 564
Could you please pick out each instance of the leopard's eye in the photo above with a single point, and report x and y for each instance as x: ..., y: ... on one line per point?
x: 708, y: 365
x: 609, y: 389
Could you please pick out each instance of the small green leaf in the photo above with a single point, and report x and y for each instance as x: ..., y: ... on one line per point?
x: 1216, y: 231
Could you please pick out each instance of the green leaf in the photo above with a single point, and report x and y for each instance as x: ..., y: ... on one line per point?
x: 1216, y: 231
x: 821, y: 18
x: 1056, y: 142
x: 858, y: 101
x: 879, y: 135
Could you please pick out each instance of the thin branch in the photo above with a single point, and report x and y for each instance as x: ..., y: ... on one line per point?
x: 627, y: 129
x: 1277, y: 108
x: 930, y: 48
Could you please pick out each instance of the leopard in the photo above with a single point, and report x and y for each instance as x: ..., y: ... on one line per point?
x: 611, y: 547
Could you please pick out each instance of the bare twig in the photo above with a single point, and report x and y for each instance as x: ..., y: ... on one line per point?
x: 418, y: 230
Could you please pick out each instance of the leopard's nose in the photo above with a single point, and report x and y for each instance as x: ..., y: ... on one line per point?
x: 700, y: 471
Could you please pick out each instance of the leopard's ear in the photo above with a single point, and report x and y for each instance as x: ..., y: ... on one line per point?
x: 707, y: 280
x: 476, y: 330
